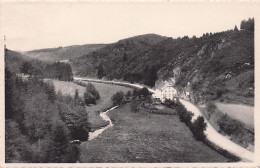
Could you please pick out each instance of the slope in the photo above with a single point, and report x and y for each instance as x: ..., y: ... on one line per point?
x: 63, y: 53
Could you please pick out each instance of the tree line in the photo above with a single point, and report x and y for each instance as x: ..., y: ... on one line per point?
x: 58, y: 70
x: 39, y: 123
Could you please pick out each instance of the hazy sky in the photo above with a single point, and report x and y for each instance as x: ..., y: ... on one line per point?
x: 37, y: 25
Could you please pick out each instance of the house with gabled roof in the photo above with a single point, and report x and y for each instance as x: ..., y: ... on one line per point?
x: 165, y: 90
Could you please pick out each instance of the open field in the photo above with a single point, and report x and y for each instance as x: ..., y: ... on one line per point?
x: 106, y: 91
x: 146, y: 137
x: 68, y: 87
x: 243, y: 113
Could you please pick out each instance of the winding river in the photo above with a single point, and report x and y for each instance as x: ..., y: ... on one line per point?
x: 104, y: 116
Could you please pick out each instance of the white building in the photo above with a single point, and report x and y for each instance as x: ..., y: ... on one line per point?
x: 167, y: 91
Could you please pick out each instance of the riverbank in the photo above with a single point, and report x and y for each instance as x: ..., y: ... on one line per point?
x: 148, y: 138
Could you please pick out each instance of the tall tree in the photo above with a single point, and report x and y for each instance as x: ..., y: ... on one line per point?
x: 236, y: 29
x: 100, y: 72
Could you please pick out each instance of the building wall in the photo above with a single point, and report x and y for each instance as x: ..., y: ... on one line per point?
x: 168, y: 93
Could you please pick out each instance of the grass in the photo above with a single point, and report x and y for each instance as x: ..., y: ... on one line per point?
x: 146, y: 137
x: 68, y: 87
x: 106, y: 91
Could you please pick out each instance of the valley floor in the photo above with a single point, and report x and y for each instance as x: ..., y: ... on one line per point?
x: 146, y: 137
x: 106, y: 91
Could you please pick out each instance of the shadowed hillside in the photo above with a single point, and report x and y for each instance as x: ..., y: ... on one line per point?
x: 209, y: 67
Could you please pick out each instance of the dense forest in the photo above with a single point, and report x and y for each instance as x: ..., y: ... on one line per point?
x: 59, y: 70
x: 18, y: 63
x: 213, y: 65
x: 40, y: 124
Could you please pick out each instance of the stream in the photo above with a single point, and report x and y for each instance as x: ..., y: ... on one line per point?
x: 104, y: 116
x: 211, y: 133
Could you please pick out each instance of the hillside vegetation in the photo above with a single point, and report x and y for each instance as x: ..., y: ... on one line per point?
x: 63, y: 53
x: 214, y: 66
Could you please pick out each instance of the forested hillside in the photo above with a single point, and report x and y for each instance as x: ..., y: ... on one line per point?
x: 18, y: 63
x: 63, y: 53
x: 40, y: 124
x: 209, y: 67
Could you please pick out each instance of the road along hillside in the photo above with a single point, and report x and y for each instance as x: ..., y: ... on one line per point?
x: 212, y: 135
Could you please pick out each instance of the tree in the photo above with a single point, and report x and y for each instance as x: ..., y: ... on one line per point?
x: 236, y: 29
x: 229, y: 126
x: 77, y: 100
x: 248, y: 25
x: 9, y: 86
x: 210, y: 108
x: 150, y: 76
x: 118, y: 98
x: 128, y: 95
x: 144, y: 92
x: 27, y: 68
x: 59, y: 135
x: 198, y: 127
x: 89, y: 98
x: 100, y: 72
x: 91, y: 89
x: 124, y: 57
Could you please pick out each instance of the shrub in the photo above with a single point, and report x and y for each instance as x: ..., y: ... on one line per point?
x: 184, y: 115
x: 134, y: 105
x: 128, y: 95
x: 169, y: 103
x: 229, y: 126
x: 118, y: 98
x: 198, y: 127
x: 91, y: 89
x: 89, y: 98
x: 144, y: 92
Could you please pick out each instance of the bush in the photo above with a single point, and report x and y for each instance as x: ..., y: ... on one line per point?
x: 169, y: 103
x: 184, y: 115
x: 198, y: 127
x: 128, y: 95
x: 89, y: 98
x: 144, y: 92
x: 229, y: 126
x: 134, y: 105
x: 118, y: 98
x: 91, y: 89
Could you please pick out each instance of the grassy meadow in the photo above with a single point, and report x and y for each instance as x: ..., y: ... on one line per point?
x: 68, y: 87
x: 106, y: 91
x: 146, y: 137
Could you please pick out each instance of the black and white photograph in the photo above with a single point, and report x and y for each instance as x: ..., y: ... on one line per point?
x: 128, y: 82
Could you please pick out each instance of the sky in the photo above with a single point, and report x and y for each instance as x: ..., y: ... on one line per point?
x: 35, y: 25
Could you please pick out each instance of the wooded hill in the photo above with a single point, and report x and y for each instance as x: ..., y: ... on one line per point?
x: 63, y: 53
x: 215, y: 64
